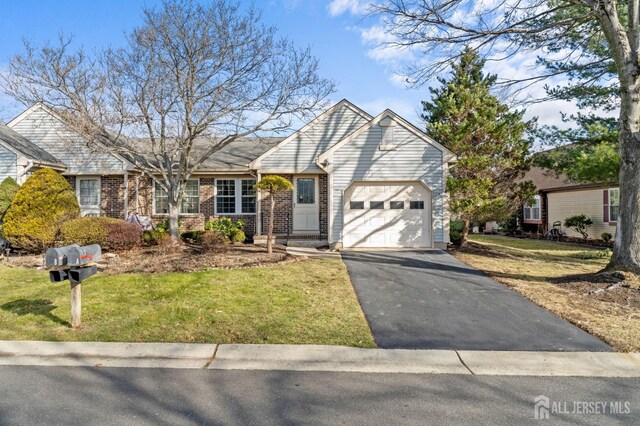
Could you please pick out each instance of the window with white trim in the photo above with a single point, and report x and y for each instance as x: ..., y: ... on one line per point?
x: 614, y: 204
x: 235, y: 196
x: 532, y: 211
x: 190, y: 199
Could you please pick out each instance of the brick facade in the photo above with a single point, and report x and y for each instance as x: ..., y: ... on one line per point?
x: 112, y: 196
x: 283, y: 217
x: 188, y: 222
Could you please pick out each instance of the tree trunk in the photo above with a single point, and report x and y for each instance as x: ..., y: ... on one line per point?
x: 465, y: 233
x: 626, y: 249
x: 270, y: 227
x: 174, y: 227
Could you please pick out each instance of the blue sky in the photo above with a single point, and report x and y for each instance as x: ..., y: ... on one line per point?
x: 338, y: 34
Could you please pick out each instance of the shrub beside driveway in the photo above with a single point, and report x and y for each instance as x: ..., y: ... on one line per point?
x: 561, y: 278
x: 306, y: 302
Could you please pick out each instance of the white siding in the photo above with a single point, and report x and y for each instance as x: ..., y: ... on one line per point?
x: 8, y: 163
x: 299, y: 155
x: 413, y: 159
x: 586, y: 201
x: 50, y: 134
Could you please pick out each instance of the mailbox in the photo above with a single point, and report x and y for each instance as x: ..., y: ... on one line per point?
x: 58, y: 256
x: 81, y: 256
x: 76, y: 276
x: 58, y: 276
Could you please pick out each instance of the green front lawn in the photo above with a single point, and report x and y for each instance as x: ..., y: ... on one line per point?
x: 306, y: 302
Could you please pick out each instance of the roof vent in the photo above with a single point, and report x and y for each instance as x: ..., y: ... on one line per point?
x: 387, y: 142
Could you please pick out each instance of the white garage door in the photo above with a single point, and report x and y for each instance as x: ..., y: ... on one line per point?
x: 387, y: 215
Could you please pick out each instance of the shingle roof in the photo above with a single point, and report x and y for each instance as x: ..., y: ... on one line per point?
x: 237, y: 155
x: 24, y: 146
x: 547, y: 180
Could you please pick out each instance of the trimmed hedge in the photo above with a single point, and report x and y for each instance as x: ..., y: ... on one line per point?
x: 41, y: 205
x: 110, y: 233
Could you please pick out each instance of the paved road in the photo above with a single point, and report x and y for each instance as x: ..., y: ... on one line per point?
x: 430, y: 300
x: 104, y: 396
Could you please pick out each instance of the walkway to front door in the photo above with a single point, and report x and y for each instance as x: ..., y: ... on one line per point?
x: 430, y: 300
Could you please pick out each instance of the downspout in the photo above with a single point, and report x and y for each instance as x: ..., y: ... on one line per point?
x: 258, y: 221
x: 327, y: 166
x: 138, y: 194
x: 126, y: 194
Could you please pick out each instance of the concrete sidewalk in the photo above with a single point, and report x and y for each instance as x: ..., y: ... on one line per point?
x: 318, y: 358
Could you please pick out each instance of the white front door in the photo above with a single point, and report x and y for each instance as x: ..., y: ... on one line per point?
x: 88, y: 192
x: 305, y: 204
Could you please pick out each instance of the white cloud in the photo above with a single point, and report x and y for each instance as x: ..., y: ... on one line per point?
x: 354, y: 7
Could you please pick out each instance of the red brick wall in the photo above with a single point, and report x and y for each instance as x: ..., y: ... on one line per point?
x: 189, y: 222
x: 72, y: 181
x: 323, y: 183
x: 283, y: 216
x: 112, y: 196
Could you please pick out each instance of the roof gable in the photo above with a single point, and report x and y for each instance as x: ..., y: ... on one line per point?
x: 20, y: 145
x: 448, y: 156
x: 344, y: 103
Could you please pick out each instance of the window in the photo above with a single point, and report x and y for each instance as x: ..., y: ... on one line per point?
x: 416, y: 205
x: 356, y: 205
x: 190, y: 199
x: 306, y: 191
x: 614, y: 204
x: 532, y: 211
x: 235, y: 196
x: 396, y: 205
x: 248, y: 196
x: 376, y: 205
x: 225, y: 196
x: 89, y: 192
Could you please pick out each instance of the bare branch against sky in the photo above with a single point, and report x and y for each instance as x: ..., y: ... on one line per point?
x: 190, y: 72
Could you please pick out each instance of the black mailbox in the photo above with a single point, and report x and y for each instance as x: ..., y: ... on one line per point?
x: 58, y: 276
x: 77, y: 275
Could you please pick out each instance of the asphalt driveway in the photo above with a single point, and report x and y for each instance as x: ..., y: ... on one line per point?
x: 430, y: 300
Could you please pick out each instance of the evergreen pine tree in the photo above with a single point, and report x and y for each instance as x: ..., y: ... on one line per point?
x: 490, y: 139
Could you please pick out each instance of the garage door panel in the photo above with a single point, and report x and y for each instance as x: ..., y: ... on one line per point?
x: 387, y: 227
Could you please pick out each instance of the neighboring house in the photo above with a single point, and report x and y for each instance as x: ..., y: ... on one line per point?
x: 359, y: 181
x: 558, y: 199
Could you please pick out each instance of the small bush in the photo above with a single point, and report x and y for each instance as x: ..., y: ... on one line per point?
x: 84, y: 231
x: 122, y: 235
x: 224, y: 225
x: 43, y: 203
x: 194, y: 237
x: 455, y: 232
x: 110, y: 233
x: 8, y: 190
x: 163, y: 225
x: 155, y: 237
x: 214, y: 241
x: 606, y: 236
x: 579, y: 223
x: 238, y: 236
x: 509, y: 226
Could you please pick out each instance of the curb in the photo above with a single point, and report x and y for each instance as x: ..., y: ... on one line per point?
x: 318, y: 358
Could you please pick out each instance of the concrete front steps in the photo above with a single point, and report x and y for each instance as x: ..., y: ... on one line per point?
x: 319, y: 358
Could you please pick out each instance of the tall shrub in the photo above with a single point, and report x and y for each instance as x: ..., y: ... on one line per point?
x: 8, y: 190
x: 40, y: 206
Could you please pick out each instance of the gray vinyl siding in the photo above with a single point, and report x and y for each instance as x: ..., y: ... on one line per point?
x: 50, y: 134
x: 412, y: 160
x: 8, y: 164
x: 299, y: 155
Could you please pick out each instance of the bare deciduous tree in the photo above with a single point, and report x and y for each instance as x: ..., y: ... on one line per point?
x: 441, y: 28
x: 190, y: 72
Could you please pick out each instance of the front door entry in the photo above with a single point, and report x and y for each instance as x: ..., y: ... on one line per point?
x: 305, y: 204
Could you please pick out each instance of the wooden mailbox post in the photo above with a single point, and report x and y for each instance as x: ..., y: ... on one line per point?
x: 76, y: 264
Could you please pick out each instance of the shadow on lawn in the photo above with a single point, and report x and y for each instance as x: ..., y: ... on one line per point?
x: 35, y: 307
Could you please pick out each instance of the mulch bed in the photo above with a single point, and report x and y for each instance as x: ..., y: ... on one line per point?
x: 184, y: 258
